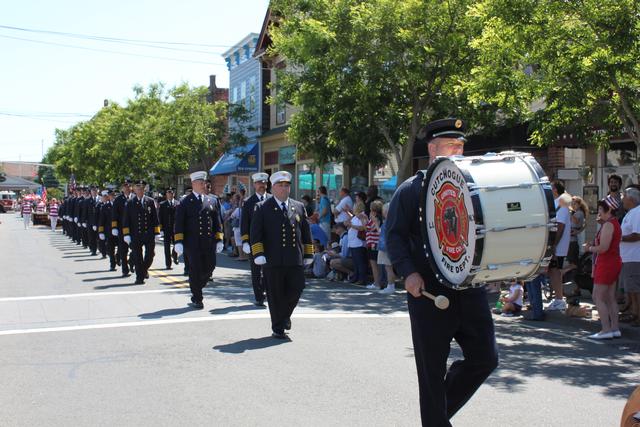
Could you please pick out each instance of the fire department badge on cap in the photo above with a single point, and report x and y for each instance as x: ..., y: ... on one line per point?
x: 260, y: 176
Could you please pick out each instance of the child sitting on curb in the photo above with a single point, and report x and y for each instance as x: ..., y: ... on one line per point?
x: 512, y: 302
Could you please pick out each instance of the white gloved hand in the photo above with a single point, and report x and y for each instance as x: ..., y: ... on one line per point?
x: 95, y: 228
x: 162, y: 234
x: 246, y: 248
x: 101, y: 236
x: 219, y: 247
x: 178, y: 248
x: 308, y: 261
x: 84, y: 225
x: 115, y: 232
x: 75, y: 220
x: 261, y: 260
x: 127, y: 240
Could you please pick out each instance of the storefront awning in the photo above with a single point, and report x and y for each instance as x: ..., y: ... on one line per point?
x: 238, y: 159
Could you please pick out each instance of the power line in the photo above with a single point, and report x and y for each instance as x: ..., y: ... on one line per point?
x: 37, y: 118
x: 112, y: 51
x: 44, y: 114
x: 112, y: 39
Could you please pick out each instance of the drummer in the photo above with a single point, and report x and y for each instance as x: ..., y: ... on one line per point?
x: 468, y: 319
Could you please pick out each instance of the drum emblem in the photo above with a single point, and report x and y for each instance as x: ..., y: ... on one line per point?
x: 451, y: 221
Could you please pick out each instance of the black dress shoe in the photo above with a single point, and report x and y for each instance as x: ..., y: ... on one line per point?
x: 196, y: 305
x: 259, y: 303
x: 139, y: 282
x: 287, y: 325
x: 104, y: 256
x: 126, y: 274
x: 146, y: 275
x: 169, y: 267
x: 112, y: 269
x: 279, y: 335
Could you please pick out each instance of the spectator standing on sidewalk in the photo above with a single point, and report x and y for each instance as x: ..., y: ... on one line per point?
x: 324, y: 210
x: 560, y: 246
x: 357, y: 244
x: 580, y: 211
x: 630, y: 252
x: 606, y: 268
x: 383, y: 258
x: 372, y: 239
x: 343, y: 210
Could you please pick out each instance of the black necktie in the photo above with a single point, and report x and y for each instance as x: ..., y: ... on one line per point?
x: 200, y: 198
x: 261, y: 198
x: 284, y: 208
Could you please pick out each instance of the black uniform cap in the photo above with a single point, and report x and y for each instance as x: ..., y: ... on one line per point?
x: 170, y: 190
x: 444, y: 128
x: 140, y: 182
x: 127, y: 181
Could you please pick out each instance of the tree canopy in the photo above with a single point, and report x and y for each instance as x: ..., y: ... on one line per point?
x: 159, y: 133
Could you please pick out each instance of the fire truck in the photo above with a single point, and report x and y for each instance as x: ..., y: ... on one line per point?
x: 7, y: 200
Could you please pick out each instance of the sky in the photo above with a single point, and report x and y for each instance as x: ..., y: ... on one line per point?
x: 44, y: 86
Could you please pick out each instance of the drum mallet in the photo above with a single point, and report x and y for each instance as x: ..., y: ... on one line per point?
x: 440, y: 301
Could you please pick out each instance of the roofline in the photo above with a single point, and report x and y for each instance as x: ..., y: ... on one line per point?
x: 246, y: 40
x: 263, y: 32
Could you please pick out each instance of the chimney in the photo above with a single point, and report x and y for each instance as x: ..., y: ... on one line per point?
x: 212, y: 83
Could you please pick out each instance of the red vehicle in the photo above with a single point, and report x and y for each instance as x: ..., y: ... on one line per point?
x: 7, y: 200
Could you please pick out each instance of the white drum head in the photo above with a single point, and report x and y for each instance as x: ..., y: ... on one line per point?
x: 449, y: 230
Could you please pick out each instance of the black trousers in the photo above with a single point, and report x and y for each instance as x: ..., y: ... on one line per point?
x: 111, y: 243
x: 123, y: 251
x: 92, y: 239
x: 102, y: 247
x: 468, y: 321
x: 143, y: 262
x: 202, y: 262
x: 284, y: 287
x: 168, y: 253
x: 77, y: 234
x: 84, y: 236
x: 257, y: 281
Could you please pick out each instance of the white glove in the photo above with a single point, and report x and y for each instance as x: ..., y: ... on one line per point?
x: 127, y: 240
x: 95, y: 228
x: 178, y: 248
x: 101, y: 235
x: 246, y: 248
x: 84, y: 225
x: 261, y: 260
x: 220, y: 247
x: 308, y: 261
x: 162, y: 234
x: 75, y: 220
x: 115, y: 232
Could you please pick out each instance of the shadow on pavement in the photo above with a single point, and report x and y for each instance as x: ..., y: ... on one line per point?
x: 92, y: 272
x: 78, y: 256
x: 101, y: 279
x: 235, y: 308
x: 93, y: 258
x: 166, y: 312
x: 119, y: 285
x: 250, y: 344
x: 526, y: 354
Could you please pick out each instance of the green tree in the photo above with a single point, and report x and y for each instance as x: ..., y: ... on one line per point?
x: 159, y: 133
x: 368, y: 74
x: 562, y: 65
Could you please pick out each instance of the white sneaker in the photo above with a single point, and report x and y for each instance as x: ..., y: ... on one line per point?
x: 507, y: 314
x: 602, y: 336
x: 372, y: 286
x: 616, y: 333
x: 557, y: 305
x: 388, y: 290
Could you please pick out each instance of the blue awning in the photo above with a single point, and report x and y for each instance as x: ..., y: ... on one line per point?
x: 390, y: 184
x: 238, y: 159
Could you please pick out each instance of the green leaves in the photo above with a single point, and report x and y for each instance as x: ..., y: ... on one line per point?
x: 158, y: 133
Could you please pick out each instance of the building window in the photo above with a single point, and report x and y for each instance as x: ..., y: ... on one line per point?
x: 271, y: 157
x: 622, y: 154
x: 243, y: 90
x: 234, y: 96
x: 281, y: 113
x: 252, y: 94
x: 306, y: 180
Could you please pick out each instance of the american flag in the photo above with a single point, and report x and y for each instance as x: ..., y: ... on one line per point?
x: 72, y: 183
x: 44, y: 193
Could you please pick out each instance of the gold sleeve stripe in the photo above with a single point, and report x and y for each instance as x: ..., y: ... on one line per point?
x: 244, y: 237
x: 114, y: 223
x: 179, y: 237
x: 100, y: 229
x: 257, y: 248
x: 125, y: 230
x: 219, y: 236
x: 157, y: 230
x: 308, y: 249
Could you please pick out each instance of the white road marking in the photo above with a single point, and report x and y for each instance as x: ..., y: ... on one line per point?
x: 89, y: 294
x: 398, y: 315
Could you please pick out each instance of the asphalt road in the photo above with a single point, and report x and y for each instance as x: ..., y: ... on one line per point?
x: 81, y: 346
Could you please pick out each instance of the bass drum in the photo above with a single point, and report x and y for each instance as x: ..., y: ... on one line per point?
x: 486, y: 218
